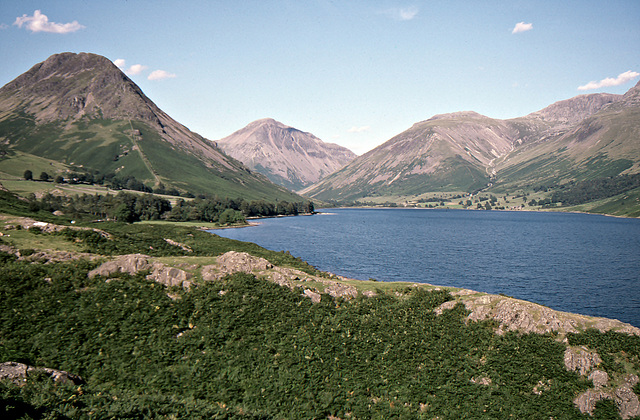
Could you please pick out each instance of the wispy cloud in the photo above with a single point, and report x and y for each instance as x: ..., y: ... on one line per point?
x: 119, y: 63
x: 136, y: 69
x: 610, y: 81
x: 3, y: 26
x: 522, y: 27
x: 39, y: 22
x: 361, y: 129
x: 402, y: 13
x: 160, y: 75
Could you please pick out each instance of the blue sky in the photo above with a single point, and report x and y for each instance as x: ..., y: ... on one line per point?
x: 354, y: 72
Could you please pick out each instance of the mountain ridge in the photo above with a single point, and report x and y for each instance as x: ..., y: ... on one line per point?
x: 466, y: 151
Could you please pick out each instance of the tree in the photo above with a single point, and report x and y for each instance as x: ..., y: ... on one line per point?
x: 59, y: 179
x: 44, y: 176
x: 28, y: 175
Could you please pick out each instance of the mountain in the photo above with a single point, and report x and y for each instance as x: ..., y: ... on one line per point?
x: 586, y: 137
x: 82, y: 111
x: 287, y: 156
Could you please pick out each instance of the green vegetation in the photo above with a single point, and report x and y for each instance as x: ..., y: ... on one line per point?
x: 123, y: 154
x: 127, y: 207
x: 246, y: 348
x: 262, y: 351
x: 585, y: 191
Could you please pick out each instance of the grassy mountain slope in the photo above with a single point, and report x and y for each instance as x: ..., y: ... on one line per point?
x: 82, y: 111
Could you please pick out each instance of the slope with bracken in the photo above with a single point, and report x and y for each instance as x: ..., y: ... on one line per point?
x: 287, y: 156
x: 82, y: 111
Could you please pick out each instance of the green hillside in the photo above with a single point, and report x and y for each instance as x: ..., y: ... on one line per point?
x: 82, y: 114
x: 248, y: 348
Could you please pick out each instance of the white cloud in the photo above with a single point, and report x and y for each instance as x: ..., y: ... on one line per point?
x: 522, y: 27
x: 405, y: 13
x: 355, y: 129
x: 408, y: 13
x: 610, y: 81
x: 39, y: 22
x: 136, y: 69
x: 160, y: 75
x: 119, y: 63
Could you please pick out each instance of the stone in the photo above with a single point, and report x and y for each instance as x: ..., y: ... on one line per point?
x: 581, y: 360
x: 131, y: 264
x: 19, y: 372
x: 599, y: 378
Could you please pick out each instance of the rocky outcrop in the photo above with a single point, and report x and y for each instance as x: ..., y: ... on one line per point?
x: 134, y: 263
x: 18, y: 373
x: 620, y: 390
x: 519, y: 315
x: 581, y: 360
x: 234, y: 262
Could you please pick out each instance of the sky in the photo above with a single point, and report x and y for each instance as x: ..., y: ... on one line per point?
x: 351, y: 72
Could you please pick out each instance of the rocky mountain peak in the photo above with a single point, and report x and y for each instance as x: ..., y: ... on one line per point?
x: 286, y: 155
x: 70, y: 86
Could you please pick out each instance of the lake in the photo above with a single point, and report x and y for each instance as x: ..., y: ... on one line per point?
x: 587, y: 264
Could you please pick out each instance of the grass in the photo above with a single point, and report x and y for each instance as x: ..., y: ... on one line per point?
x: 13, y: 167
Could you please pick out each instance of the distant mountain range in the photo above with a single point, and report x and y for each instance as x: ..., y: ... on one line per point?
x: 586, y: 137
x: 287, y: 156
x: 81, y: 111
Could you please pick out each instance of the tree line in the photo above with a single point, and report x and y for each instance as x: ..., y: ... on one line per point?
x: 574, y: 193
x: 129, y: 207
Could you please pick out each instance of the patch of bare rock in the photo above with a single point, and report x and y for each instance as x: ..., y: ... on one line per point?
x: 620, y: 389
x: 134, y: 263
x: 519, y: 315
x: 19, y: 372
x: 228, y: 263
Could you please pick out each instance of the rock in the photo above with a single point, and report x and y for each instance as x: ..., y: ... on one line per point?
x: 445, y: 306
x: 19, y: 372
x: 234, y: 262
x: 131, y: 264
x: 586, y: 402
x: 336, y: 289
x: 179, y: 245
x: 481, y: 380
x: 134, y: 263
x: 599, y: 378
x: 581, y: 360
x: 519, y: 315
x: 170, y: 276
x: 315, y: 297
x: 627, y: 402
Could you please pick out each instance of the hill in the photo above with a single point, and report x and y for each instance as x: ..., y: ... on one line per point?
x: 168, y: 321
x: 584, y: 138
x: 81, y: 111
x: 287, y: 156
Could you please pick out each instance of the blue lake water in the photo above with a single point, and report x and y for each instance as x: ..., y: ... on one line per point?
x: 588, y: 264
